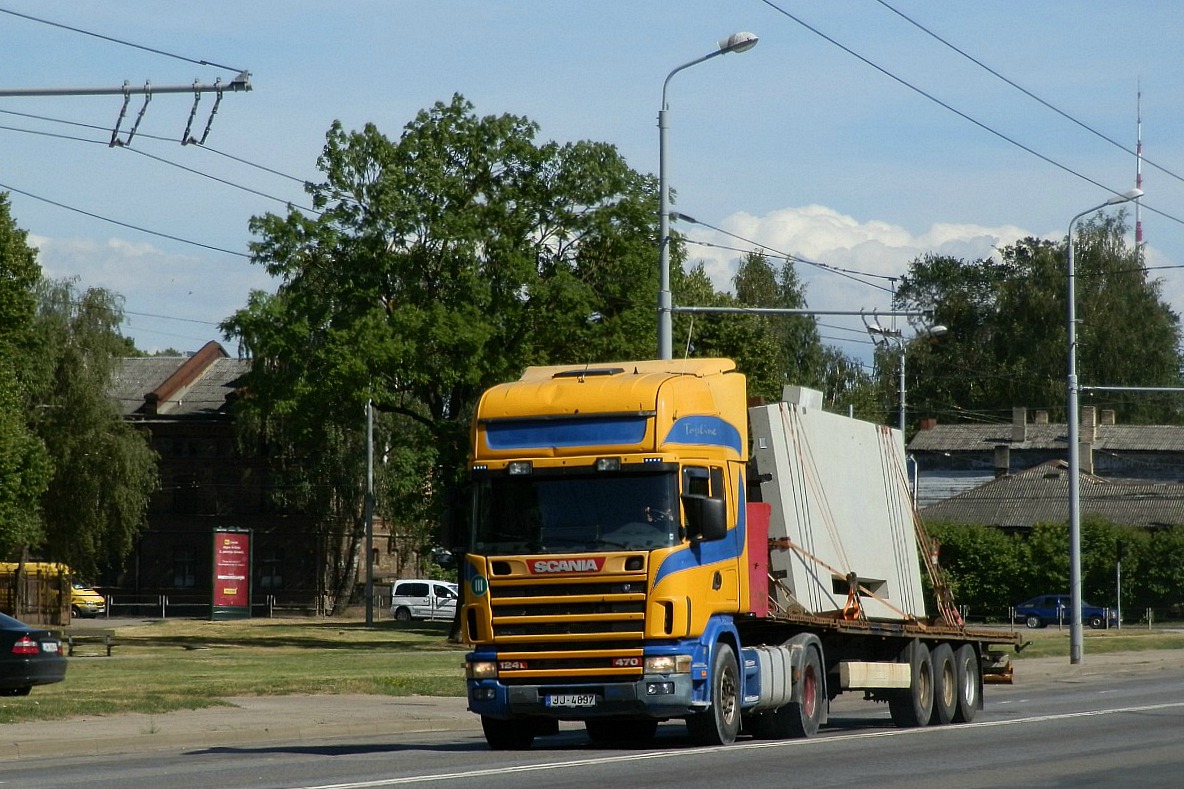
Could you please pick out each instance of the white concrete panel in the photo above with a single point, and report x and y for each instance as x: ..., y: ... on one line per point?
x: 840, y: 499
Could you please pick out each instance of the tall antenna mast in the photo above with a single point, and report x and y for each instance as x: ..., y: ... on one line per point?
x: 1139, y: 165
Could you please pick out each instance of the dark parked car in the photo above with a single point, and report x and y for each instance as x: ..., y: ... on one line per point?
x: 1051, y: 609
x: 28, y: 656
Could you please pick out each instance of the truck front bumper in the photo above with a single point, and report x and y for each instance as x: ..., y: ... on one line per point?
x: 656, y: 696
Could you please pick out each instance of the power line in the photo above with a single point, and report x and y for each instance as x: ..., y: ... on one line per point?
x: 849, y: 274
x: 949, y: 107
x: 119, y: 41
x: 163, y: 160
x: 128, y: 225
x: 1025, y: 91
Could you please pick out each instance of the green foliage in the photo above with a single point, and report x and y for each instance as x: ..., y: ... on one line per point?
x: 991, y: 570
x: 1007, y: 336
x: 104, y: 471
x: 24, y: 462
x: 443, y: 262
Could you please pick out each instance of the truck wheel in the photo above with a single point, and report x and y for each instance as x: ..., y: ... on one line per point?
x: 799, y: 718
x: 508, y: 735
x: 945, y: 685
x: 621, y: 733
x: 720, y: 724
x: 966, y: 663
x: 914, y: 706
x: 1033, y: 622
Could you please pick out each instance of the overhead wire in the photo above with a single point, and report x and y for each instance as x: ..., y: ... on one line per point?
x: 113, y: 40
x: 965, y: 116
x: 1029, y: 93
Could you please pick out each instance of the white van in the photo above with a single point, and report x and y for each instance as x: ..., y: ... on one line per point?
x: 419, y: 598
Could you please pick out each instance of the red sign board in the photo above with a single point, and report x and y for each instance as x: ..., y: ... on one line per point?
x: 232, y: 570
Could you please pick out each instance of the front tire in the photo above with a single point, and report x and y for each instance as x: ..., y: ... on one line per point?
x: 719, y: 724
x: 508, y: 735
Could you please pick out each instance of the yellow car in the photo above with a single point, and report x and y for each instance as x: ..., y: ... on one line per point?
x: 85, y: 601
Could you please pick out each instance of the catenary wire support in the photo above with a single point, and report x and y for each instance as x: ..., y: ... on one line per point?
x: 115, y: 141
x: 210, y: 120
x: 240, y: 83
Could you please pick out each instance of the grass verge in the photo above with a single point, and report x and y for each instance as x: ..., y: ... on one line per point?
x: 190, y: 664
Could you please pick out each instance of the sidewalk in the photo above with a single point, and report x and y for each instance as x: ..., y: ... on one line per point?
x: 251, y: 720
x: 256, y: 720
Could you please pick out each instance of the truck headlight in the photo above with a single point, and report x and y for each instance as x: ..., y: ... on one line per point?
x: 481, y: 669
x: 668, y: 664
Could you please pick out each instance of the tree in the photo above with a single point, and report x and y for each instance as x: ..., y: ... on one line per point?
x: 103, y: 469
x: 1007, y: 340
x: 24, y: 462
x: 440, y: 263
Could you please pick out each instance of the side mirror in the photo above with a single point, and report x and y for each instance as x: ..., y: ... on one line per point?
x: 707, y: 518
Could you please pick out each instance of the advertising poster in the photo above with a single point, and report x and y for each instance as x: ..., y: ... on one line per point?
x: 231, y: 589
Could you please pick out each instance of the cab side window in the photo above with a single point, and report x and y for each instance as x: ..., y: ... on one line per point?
x: 703, y: 481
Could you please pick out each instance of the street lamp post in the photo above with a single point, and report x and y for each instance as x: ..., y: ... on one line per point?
x: 1076, y: 642
x: 896, y: 336
x: 737, y: 42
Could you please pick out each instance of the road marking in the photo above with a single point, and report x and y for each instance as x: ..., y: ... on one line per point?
x: 692, y: 751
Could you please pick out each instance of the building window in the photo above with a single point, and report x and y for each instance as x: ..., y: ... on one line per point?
x: 184, y: 568
x: 271, y: 569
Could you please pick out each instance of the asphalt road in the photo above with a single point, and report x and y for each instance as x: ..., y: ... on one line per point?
x: 1114, y: 721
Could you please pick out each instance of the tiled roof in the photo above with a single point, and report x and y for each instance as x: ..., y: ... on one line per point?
x: 1041, y: 494
x: 1111, y: 438
x: 161, y: 386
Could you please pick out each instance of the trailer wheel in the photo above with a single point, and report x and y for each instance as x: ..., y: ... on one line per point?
x: 719, y: 724
x: 617, y: 732
x: 966, y: 663
x: 508, y: 735
x: 914, y: 706
x: 945, y: 685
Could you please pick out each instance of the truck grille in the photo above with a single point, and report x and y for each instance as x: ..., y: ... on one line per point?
x: 569, y: 629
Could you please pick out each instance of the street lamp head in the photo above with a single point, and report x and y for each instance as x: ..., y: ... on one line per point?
x: 738, y: 42
x: 1133, y: 194
x: 938, y: 330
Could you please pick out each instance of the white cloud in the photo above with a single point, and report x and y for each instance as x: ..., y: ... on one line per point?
x: 170, y: 299
x: 874, y: 249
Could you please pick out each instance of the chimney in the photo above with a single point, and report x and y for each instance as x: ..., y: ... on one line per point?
x: 1085, y: 457
x: 928, y: 423
x: 1108, y: 417
x: 1041, y: 418
x: 1019, y: 425
x: 1002, y: 460
x: 1089, y: 424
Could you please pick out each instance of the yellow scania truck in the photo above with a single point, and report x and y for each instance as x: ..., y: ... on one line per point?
x: 646, y: 546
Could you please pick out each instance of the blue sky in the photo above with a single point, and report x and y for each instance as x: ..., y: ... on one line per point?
x: 798, y: 144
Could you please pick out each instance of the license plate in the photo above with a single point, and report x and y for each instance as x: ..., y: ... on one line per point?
x: 50, y: 646
x: 572, y: 700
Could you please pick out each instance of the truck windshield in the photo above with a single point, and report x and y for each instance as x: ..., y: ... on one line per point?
x: 575, y: 514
